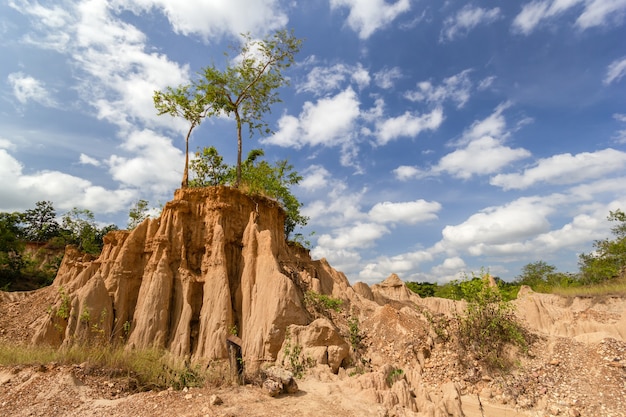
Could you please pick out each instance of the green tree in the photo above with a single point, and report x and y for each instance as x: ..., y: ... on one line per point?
x: 190, y: 103
x: 209, y: 168
x: 609, y: 256
x: 80, y: 229
x: 11, y: 247
x: 260, y: 177
x: 248, y: 86
x: 137, y: 214
x: 537, y: 275
x: 40, y: 223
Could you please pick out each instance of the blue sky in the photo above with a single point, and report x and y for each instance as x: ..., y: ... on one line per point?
x: 434, y: 138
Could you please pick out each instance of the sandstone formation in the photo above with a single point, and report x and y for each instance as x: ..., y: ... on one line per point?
x: 215, y: 263
x: 215, y: 267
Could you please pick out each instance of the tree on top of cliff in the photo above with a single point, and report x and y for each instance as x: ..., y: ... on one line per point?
x: 246, y: 88
x: 257, y: 177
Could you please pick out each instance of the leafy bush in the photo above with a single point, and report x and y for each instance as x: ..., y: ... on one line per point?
x: 488, y: 326
x: 322, y: 302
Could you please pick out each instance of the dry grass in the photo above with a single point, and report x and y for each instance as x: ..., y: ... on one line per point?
x: 613, y: 288
x: 148, y: 369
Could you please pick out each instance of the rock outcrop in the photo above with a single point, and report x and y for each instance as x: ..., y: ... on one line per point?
x: 215, y: 263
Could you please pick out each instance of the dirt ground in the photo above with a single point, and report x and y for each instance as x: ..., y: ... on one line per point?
x: 578, y: 374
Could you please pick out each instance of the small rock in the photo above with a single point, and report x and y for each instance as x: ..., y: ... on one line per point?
x: 272, y: 387
x: 188, y: 396
x: 215, y: 400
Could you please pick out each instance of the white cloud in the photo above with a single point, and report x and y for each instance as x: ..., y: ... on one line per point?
x: 215, y: 18
x: 323, y: 80
x: 615, y: 71
x: 450, y: 269
x: 367, y: 16
x: 517, y: 220
x: 359, y: 235
x: 386, y: 78
x: 480, y: 157
x: 157, y: 166
x: 6, y: 144
x: 456, y: 88
x: 598, y: 12
x: 21, y: 191
x: 314, y: 178
x: 405, y: 265
x: 406, y: 172
x: 27, y: 88
x: 565, y: 169
x: 467, y: 19
x: 88, y: 160
x: 408, y: 125
x: 328, y: 122
x: 594, y: 13
x: 410, y: 212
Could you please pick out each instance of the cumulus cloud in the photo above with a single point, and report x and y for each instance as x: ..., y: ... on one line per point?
x: 359, y: 235
x: 406, y: 172
x: 517, y: 220
x: 565, y: 169
x: 314, y: 178
x: 409, y: 212
x: 594, y: 13
x: 328, y: 122
x: 409, y: 124
x: 466, y: 19
x: 480, y: 157
x: 22, y: 190
x: 615, y: 71
x: 322, y: 80
x: 156, y: 166
x: 456, y: 88
x: 215, y: 18
x: 368, y: 16
x: 26, y: 88
x: 406, y: 265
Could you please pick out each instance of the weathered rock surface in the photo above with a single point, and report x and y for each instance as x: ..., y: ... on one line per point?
x: 215, y: 262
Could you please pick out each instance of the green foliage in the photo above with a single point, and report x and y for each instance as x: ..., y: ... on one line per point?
x: 293, y: 354
x: 423, y: 289
x: 63, y: 311
x: 609, y: 256
x: 258, y: 178
x: 209, y: 168
x: 322, y: 302
x: 396, y: 374
x: 79, y: 228
x: 488, y: 326
x: 137, y: 214
x: 40, y: 223
x: 356, y: 338
x: 245, y: 89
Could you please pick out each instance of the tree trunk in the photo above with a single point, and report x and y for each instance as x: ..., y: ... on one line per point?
x: 185, y: 182
x: 239, y: 149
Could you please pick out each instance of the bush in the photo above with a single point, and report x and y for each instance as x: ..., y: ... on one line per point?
x: 488, y: 326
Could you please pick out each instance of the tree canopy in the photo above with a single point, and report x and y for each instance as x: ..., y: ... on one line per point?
x: 245, y: 89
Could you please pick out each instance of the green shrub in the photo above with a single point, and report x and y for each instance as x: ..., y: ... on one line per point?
x: 488, y: 326
x: 322, y: 302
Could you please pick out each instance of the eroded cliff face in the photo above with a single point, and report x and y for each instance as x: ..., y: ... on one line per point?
x: 215, y: 263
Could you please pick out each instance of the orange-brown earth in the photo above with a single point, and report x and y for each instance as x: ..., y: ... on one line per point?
x: 216, y: 263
